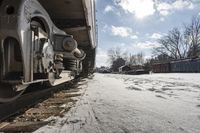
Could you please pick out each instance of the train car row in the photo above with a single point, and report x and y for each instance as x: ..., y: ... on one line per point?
x: 181, y: 66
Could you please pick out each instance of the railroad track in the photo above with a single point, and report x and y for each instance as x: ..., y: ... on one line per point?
x: 31, y: 98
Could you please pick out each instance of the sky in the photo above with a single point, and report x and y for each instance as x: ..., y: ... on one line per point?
x: 135, y: 25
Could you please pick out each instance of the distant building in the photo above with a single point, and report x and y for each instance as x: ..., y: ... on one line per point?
x: 103, y: 69
x: 136, y: 67
x: 124, y: 68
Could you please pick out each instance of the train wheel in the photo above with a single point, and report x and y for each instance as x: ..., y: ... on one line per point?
x: 8, y: 93
x: 51, y: 77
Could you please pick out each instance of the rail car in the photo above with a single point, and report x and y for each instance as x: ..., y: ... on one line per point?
x: 187, y: 65
x: 41, y: 39
x: 179, y: 66
x: 161, y: 68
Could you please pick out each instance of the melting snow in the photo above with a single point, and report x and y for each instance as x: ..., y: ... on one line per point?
x: 156, y: 103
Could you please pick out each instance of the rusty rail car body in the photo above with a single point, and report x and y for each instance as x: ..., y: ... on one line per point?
x: 42, y: 38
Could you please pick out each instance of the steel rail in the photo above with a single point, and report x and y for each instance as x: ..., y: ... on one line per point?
x: 30, y: 99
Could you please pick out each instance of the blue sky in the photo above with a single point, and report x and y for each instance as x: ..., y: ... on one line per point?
x: 136, y: 25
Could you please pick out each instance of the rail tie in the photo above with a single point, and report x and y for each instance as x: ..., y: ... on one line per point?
x: 30, y: 99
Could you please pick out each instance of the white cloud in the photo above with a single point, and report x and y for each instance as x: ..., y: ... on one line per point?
x: 181, y: 4
x: 141, y: 8
x: 147, y: 57
x: 101, y: 57
x: 162, y: 19
x: 144, y: 8
x: 156, y: 36
x: 164, y: 12
x: 105, y: 28
x: 145, y: 45
x: 134, y: 37
x: 121, y: 31
x: 108, y: 8
x: 165, y: 8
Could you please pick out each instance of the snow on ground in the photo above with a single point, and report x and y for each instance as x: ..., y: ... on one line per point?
x: 156, y: 103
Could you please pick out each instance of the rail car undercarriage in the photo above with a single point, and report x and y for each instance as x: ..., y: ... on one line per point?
x: 34, y: 50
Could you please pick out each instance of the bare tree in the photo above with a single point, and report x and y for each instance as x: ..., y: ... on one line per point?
x: 114, y: 53
x: 132, y: 60
x: 117, y: 58
x: 140, y: 58
x: 192, y: 37
x: 117, y: 63
x: 172, y: 45
x: 137, y: 59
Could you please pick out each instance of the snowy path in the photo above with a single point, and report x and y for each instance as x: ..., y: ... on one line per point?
x: 157, y: 103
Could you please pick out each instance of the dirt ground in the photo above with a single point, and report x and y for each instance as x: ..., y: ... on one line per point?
x: 156, y: 103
